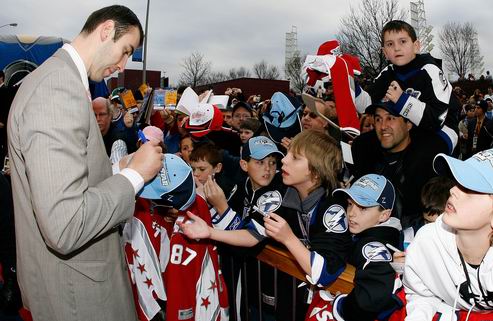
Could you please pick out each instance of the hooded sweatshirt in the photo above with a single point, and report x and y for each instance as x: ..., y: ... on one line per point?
x: 434, y: 272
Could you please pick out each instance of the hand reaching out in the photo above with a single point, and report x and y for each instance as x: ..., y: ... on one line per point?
x: 195, y: 227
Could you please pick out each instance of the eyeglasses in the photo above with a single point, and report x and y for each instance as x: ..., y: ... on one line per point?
x: 241, y: 116
x: 311, y: 114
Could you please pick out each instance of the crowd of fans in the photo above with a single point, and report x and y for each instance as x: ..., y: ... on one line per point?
x: 273, y: 172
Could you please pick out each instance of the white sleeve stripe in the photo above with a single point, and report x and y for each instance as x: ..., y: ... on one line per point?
x: 413, y: 110
x: 259, y: 228
x: 451, y: 134
x: 225, y: 220
x: 317, y: 266
x: 362, y: 101
x: 442, y: 90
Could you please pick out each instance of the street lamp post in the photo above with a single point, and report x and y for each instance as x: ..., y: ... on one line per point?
x: 144, y: 72
x: 13, y: 24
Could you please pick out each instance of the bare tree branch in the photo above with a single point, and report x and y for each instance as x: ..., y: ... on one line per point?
x: 241, y: 72
x: 263, y: 71
x: 359, y: 32
x: 460, y: 48
x: 196, y: 70
x: 293, y: 73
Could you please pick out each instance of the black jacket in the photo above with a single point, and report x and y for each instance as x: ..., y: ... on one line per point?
x: 408, y: 170
x: 427, y: 99
x: 374, y: 277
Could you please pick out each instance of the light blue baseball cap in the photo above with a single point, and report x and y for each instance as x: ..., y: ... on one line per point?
x: 475, y: 173
x: 173, y: 186
x: 259, y: 147
x: 371, y: 190
x: 282, y: 119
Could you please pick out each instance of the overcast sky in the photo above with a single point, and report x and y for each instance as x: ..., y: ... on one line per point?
x: 230, y: 33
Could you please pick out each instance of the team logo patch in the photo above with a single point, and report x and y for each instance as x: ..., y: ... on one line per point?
x: 269, y: 201
x: 376, y: 252
x: 484, y: 156
x: 335, y: 219
x: 413, y: 93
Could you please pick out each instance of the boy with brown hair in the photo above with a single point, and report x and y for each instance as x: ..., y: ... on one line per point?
x: 415, y: 85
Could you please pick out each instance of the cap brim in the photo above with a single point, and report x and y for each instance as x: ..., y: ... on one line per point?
x: 278, y: 133
x: 359, y: 198
x: 373, y: 108
x: 149, y: 193
x: 310, y: 102
x: 465, y: 174
x: 264, y: 154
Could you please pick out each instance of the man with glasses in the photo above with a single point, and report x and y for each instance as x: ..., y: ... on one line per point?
x: 241, y: 111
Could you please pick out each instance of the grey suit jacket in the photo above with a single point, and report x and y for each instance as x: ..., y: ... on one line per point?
x: 66, y: 201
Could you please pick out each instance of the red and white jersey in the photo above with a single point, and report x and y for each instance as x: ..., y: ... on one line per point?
x: 193, y: 280
x: 147, y: 252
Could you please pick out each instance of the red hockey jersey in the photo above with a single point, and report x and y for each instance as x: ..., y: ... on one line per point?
x: 147, y: 251
x: 193, y: 280
x: 164, y: 264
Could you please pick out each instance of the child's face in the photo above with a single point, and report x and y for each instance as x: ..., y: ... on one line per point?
x: 202, y: 170
x: 296, y: 173
x: 399, y: 48
x: 186, y: 147
x: 362, y: 218
x: 467, y: 210
x: 261, y: 172
x: 245, y: 135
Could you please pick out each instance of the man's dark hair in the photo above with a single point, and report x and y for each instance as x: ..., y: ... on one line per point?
x: 2, y: 75
x: 123, y: 17
x: 396, y: 26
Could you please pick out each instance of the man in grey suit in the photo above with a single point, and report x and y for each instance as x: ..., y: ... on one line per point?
x: 67, y: 202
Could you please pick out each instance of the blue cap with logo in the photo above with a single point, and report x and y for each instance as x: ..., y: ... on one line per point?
x: 173, y: 186
x: 259, y: 147
x: 371, y: 190
x: 282, y: 119
x: 475, y: 173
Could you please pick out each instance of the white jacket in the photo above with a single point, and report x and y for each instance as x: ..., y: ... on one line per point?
x: 434, y: 278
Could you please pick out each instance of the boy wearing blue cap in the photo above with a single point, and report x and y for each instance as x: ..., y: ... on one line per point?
x: 261, y: 191
x: 370, y: 202
x: 449, y: 265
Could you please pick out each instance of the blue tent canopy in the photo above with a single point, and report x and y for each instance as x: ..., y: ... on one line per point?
x: 19, y: 55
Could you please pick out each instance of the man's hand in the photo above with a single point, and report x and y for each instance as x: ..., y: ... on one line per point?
x: 195, y: 228
x: 277, y: 228
x: 394, y: 92
x: 147, y: 160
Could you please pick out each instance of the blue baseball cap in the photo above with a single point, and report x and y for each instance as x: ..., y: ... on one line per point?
x: 386, y: 105
x: 475, y: 173
x: 259, y: 147
x: 371, y: 190
x: 173, y: 186
x: 282, y: 120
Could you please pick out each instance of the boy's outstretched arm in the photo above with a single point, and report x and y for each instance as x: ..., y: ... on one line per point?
x: 196, y: 228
